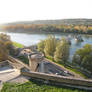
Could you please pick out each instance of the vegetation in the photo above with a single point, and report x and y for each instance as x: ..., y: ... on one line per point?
x: 68, y: 25
x: 41, y: 46
x: 18, y: 45
x: 83, y: 57
x: 5, y: 46
x: 54, y: 49
x: 62, y: 51
x: 24, y: 59
x: 59, y: 53
x: 70, y: 67
x: 36, y: 86
x: 50, y: 46
x: 77, y: 72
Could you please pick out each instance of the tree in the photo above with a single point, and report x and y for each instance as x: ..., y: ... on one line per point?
x: 6, y: 40
x: 3, y: 51
x: 76, y: 59
x: 5, y: 44
x: 85, y: 55
x: 50, y: 46
x: 62, y: 51
x: 58, y: 54
x: 41, y: 46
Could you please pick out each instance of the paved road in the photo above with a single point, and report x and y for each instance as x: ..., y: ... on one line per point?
x: 8, y: 74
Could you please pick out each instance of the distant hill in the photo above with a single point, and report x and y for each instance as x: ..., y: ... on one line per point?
x: 81, y: 26
x: 62, y: 21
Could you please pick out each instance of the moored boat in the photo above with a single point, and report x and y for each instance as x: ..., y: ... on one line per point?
x: 78, y: 38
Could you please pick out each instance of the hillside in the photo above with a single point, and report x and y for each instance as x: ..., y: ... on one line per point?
x: 82, y: 26
x: 61, y: 21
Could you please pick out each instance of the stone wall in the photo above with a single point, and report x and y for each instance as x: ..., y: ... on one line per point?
x: 60, y: 79
x: 13, y: 60
x: 4, y: 63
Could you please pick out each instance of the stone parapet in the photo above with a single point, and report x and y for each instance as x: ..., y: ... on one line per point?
x: 60, y: 79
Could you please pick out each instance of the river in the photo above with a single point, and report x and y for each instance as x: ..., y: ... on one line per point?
x: 28, y: 39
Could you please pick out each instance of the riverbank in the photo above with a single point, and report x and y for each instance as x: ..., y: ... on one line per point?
x: 16, y: 44
x: 42, y: 32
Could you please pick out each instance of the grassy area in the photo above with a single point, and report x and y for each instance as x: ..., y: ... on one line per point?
x: 18, y: 45
x: 24, y: 59
x: 36, y: 86
x: 77, y: 72
x: 73, y: 70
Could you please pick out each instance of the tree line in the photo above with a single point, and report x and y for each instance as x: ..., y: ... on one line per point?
x: 86, y: 29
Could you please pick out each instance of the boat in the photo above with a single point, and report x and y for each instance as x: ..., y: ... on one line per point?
x: 78, y: 38
x: 69, y: 40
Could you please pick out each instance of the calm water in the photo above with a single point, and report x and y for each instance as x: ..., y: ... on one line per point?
x: 29, y: 39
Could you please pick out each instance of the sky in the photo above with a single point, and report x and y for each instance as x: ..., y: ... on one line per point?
x: 27, y: 10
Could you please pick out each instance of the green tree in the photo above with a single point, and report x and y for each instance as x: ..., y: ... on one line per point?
x: 76, y: 59
x: 62, y: 51
x: 50, y: 46
x: 85, y: 55
x: 58, y: 54
x: 41, y: 46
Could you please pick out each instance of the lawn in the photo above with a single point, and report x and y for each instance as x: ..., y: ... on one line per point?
x: 36, y: 86
x: 18, y: 45
x: 24, y: 59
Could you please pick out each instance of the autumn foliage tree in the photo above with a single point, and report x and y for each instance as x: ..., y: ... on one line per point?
x: 71, y: 28
x: 5, y: 45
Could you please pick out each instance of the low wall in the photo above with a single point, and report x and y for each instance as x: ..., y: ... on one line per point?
x: 14, y: 60
x: 60, y: 79
x: 4, y: 63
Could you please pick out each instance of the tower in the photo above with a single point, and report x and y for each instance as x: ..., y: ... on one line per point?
x: 35, y: 62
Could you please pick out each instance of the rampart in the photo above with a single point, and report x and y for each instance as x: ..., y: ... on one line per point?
x: 60, y: 79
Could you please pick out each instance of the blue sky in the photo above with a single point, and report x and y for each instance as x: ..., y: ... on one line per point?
x: 26, y: 10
